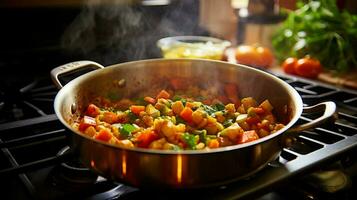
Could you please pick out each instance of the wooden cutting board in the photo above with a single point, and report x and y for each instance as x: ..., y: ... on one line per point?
x: 348, y: 80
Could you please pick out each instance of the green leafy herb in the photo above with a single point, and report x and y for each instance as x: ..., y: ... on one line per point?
x: 319, y: 29
x: 184, y: 101
x: 218, y: 106
x: 126, y: 130
x: 209, y: 110
x: 190, y: 140
x: 202, y: 135
x: 227, y: 123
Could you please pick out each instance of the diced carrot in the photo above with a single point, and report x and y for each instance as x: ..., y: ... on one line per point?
x: 137, y: 109
x: 92, y: 110
x: 110, y: 117
x: 150, y: 100
x: 103, y: 135
x: 186, y: 114
x: 146, y: 137
x: 86, y: 122
x: 213, y: 143
x: 248, y: 136
x: 163, y: 94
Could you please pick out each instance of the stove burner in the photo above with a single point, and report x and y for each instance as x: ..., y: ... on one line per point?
x: 25, y: 99
x: 73, y: 178
x: 72, y: 175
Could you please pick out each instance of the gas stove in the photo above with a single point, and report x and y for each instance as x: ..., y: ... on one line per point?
x: 36, y: 162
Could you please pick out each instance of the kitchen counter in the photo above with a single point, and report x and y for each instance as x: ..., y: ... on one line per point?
x: 348, y: 80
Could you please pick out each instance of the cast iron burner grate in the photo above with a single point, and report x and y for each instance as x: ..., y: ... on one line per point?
x: 29, y: 154
x: 25, y: 99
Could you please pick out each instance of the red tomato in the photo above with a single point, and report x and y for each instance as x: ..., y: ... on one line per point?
x: 145, y: 138
x: 103, y: 135
x: 308, y: 67
x: 256, y: 56
x: 86, y: 122
x: 248, y: 136
x: 259, y: 110
x: 252, y: 120
x: 289, y: 65
x: 137, y: 109
x: 266, y: 57
x: 92, y: 110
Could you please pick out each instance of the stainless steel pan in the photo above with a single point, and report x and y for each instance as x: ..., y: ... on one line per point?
x: 182, y: 169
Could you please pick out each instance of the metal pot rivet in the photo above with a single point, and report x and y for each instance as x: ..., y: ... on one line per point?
x: 73, y: 108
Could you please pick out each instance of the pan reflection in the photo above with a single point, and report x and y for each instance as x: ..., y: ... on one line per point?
x: 179, y: 168
x: 123, y: 163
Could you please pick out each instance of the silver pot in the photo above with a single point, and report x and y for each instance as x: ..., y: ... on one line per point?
x: 182, y: 169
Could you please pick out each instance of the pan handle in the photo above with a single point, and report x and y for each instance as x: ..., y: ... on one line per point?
x: 72, y: 67
x: 329, y: 110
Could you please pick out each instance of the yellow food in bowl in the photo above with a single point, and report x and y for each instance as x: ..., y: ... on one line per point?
x: 193, y: 47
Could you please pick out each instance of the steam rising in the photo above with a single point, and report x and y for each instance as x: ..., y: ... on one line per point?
x: 110, y: 31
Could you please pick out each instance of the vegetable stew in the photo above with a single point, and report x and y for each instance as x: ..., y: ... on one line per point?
x: 174, y: 120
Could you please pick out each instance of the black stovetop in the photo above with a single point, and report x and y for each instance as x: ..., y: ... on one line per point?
x: 31, y: 137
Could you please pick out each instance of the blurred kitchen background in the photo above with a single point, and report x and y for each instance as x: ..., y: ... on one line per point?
x: 45, y: 34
